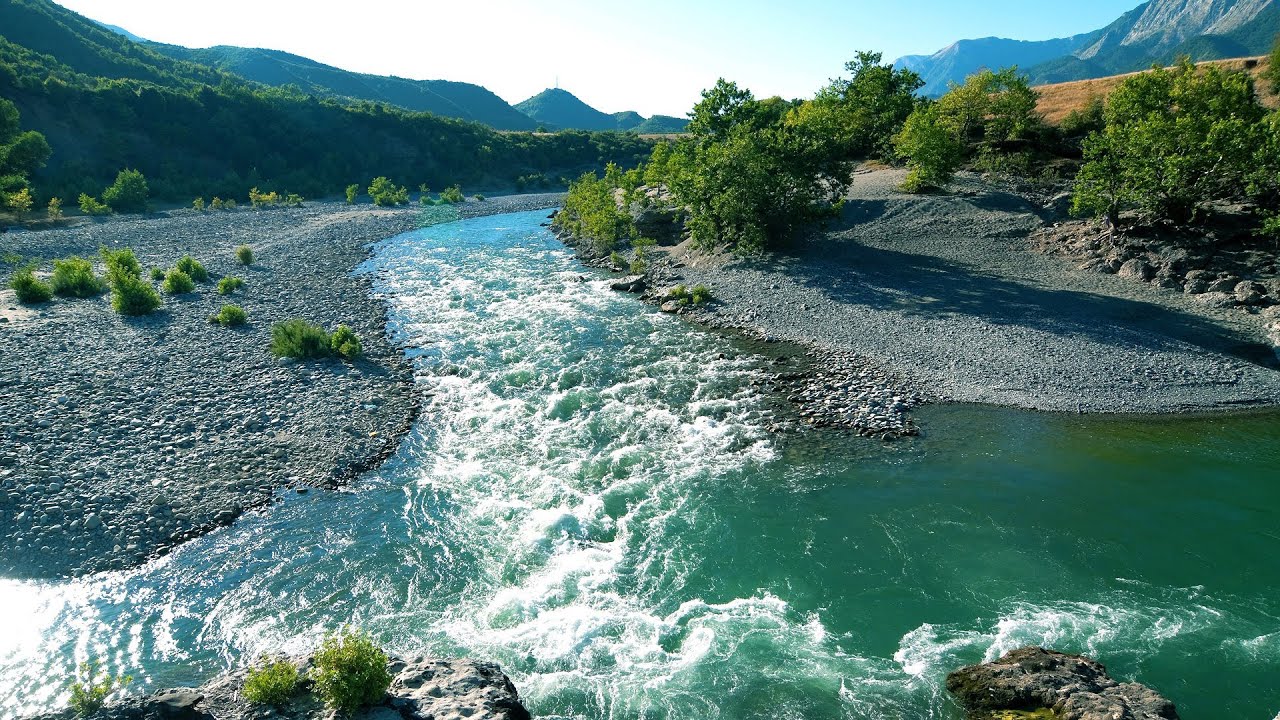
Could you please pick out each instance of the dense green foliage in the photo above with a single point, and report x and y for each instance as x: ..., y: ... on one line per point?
x: 345, y: 343
x: 193, y: 268
x: 592, y: 210
x: 134, y: 296
x: 352, y: 192
x: 931, y: 147
x: 349, y: 671
x: 300, y: 340
x: 29, y: 288
x: 230, y: 316
x: 1175, y: 140
x: 271, y: 684
x: 1273, y: 67
x: 128, y: 194
x: 244, y: 255
x: 194, y: 131
x: 230, y: 284
x: 120, y: 262
x: 452, y: 195
x: 157, y: 274
x: 862, y: 112
x: 89, y: 205
x: 384, y: 192
x: 91, y: 688
x: 21, y: 153
x: 73, y: 277
x: 177, y: 282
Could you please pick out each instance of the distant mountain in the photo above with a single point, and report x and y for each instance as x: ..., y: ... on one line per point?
x: 121, y: 31
x: 957, y: 61
x: 274, y: 67
x: 1158, y: 31
x: 561, y: 109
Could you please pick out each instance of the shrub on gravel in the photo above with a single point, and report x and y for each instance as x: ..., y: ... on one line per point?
x: 128, y: 194
x: 133, y: 296
x: 73, y: 277
x: 89, y: 205
x: 177, y: 282
x: 120, y: 262
x: 193, y: 268
x: 271, y: 684
x: 300, y: 340
x: 157, y: 274
x: 90, y: 689
x: 350, y: 671
x: 244, y: 255
x: 230, y: 316
x: 453, y: 195
x: 384, y: 192
x: 228, y: 285
x: 345, y: 343
x: 29, y: 288
x: 353, y: 191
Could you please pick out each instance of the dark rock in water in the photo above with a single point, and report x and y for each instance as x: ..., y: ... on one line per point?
x: 1075, y: 687
x: 421, y: 689
x: 631, y: 284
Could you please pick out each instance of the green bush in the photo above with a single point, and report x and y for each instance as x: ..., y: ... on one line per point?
x: 157, y: 274
x: 133, y: 296
x: 300, y: 340
x: 90, y: 689
x: 230, y: 284
x: 452, y: 195
x: 29, y: 288
x: 120, y: 262
x: 73, y: 277
x: 478, y: 197
x: 700, y: 294
x: 345, y: 343
x: 198, y: 204
x: 931, y: 148
x: 244, y: 255
x: 384, y: 192
x: 272, y: 684
x: 128, y: 194
x: 350, y: 671
x: 177, y: 282
x: 193, y: 268
x: 230, y: 316
x: 353, y: 191
x: 89, y: 205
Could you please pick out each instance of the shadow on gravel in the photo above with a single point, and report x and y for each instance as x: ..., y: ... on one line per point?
x: 924, y: 285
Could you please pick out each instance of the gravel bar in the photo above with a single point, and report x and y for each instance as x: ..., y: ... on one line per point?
x: 122, y: 437
x: 946, y: 292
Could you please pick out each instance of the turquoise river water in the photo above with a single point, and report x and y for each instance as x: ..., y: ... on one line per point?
x: 591, y: 499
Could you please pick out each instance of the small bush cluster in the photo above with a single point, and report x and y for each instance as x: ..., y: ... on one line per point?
x: 230, y: 316
x: 271, y: 684
x: 452, y: 195
x: 119, y: 263
x: 302, y: 340
x: 350, y: 671
x: 193, y: 268
x: 230, y: 284
x: 73, y: 277
x: 219, y: 204
x: 696, y: 296
x: 90, y: 689
x: 29, y: 288
x: 55, y: 208
x: 89, y: 205
x: 198, y: 204
x: 244, y: 255
x: 177, y: 282
x: 157, y: 274
x: 260, y: 199
x: 130, y: 295
x: 384, y: 192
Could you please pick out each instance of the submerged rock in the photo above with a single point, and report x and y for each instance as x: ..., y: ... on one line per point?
x: 421, y: 689
x: 1074, y: 687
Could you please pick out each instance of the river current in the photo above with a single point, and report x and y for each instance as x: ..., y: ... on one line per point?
x: 592, y: 500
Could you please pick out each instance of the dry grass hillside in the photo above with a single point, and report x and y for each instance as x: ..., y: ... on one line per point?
x: 1057, y: 101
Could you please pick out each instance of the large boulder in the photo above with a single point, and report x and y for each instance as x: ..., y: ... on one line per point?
x: 421, y: 689
x: 1075, y: 687
x: 1137, y: 269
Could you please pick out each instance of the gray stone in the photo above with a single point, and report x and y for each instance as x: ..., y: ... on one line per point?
x: 1249, y: 293
x: 1075, y: 687
x: 631, y: 284
x: 1137, y: 269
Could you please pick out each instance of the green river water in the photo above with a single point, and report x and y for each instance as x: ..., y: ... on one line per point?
x: 591, y: 499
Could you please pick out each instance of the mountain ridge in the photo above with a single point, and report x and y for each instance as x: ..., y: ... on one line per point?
x: 561, y: 109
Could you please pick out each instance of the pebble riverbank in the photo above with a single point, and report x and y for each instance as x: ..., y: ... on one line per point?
x: 123, y: 437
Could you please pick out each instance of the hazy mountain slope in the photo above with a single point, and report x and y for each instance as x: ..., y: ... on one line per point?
x: 959, y: 60
x: 561, y: 109
x: 1158, y: 31
x: 442, y: 97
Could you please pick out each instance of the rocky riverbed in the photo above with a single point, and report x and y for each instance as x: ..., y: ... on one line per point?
x: 123, y: 437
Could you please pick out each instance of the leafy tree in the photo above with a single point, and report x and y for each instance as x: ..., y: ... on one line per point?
x: 863, y: 112
x: 21, y: 153
x: 591, y: 211
x: 20, y: 202
x: 1174, y: 140
x: 128, y: 194
x: 929, y: 143
x: 991, y: 107
x: 55, y: 208
x: 353, y: 191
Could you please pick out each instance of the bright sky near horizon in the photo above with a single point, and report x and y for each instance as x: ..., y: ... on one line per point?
x: 653, y: 57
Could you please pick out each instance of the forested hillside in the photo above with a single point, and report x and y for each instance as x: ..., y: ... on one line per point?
x: 106, y: 103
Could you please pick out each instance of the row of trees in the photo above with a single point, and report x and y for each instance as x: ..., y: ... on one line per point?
x: 21, y: 153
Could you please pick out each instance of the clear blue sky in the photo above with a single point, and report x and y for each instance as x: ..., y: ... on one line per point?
x: 653, y: 57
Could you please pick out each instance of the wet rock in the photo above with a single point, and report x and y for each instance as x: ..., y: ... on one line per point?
x: 631, y: 284
x: 1075, y: 687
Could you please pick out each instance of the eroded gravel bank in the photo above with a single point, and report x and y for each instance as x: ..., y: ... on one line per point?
x: 122, y: 437
x: 946, y: 292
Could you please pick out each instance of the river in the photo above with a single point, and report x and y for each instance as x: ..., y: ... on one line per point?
x: 591, y: 498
